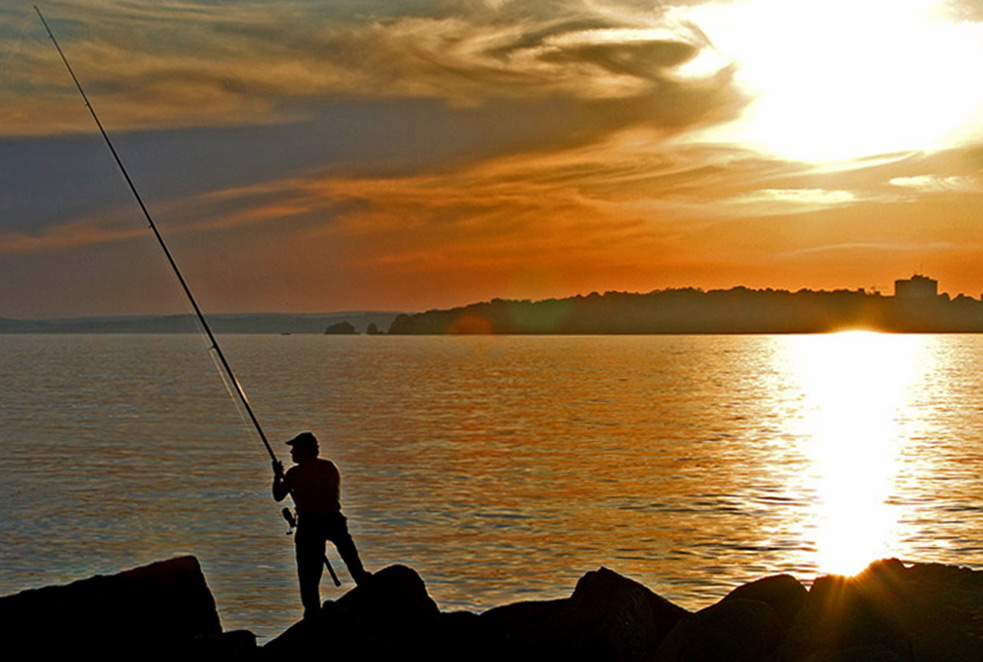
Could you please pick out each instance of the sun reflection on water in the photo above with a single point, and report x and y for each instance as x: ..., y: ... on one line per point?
x: 855, y: 391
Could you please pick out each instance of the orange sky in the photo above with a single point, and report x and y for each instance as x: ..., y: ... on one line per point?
x: 314, y: 156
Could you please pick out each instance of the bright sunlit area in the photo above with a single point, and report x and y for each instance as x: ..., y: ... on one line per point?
x: 845, y: 78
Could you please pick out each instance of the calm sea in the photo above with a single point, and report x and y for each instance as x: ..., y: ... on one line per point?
x: 500, y: 468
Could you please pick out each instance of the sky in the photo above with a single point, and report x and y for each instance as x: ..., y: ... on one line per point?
x: 314, y: 156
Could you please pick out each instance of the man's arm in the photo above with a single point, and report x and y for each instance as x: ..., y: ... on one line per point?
x: 280, y: 487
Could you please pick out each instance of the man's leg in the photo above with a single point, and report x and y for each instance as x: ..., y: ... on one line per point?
x: 309, y: 546
x: 338, y: 534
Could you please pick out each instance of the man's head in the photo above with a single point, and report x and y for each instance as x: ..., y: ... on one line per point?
x: 304, y: 445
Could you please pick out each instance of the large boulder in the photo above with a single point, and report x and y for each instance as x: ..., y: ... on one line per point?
x: 162, y: 608
x: 388, y: 617
x: 850, y: 612
x: 608, y: 617
x: 517, y: 631
x: 783, y: 593
x: 857, y: 654
x: 736, y: 630
x: 611, y: 617
x: 918, y: 613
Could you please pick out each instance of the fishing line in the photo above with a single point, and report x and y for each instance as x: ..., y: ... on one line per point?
x: 232, y: 388
x: 225, y: 370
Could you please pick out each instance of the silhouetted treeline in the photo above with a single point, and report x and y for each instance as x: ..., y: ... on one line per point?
x: 689, y: 310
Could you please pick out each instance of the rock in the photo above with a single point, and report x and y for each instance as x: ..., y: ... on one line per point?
x: 396, y: 602
x: 940, y: 609
x: 860, y: 654
x: 922, y: 613
x: 157, y: 609
x: 238, y: 644
x: 614, y: 618
x: 783, y: 593
x: 734, y: 629
x: 389, y: 617
x: 608, y: 617
x: 520, y: 631
x: 849, y: 612
x: 888, y: 613
x: 465, y: 633
x: 341, y: 327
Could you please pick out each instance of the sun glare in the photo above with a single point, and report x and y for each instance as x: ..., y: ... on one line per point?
x: 842, y: 79
x: 854, y: 389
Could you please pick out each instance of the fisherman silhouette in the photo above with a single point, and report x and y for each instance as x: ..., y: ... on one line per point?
x: 314, y: 484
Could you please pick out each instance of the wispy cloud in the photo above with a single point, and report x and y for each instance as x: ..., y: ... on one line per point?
x: 623, y: 189
x: 940, y: 183
x: 182, y: 64
x: 877, y: 247
x: 788, y: 200
x: 99, y: 230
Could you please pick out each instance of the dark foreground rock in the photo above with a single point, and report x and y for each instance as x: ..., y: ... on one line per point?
x: 608, y: 617
x: 734, y: 630
x: 924, y: 612
x: 783, y: 593
x: 389, y: 617
x: 154, y: 611
x: 889, y: 613
x: 748, y: 624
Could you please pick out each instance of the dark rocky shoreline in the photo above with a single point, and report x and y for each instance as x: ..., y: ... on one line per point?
x: 890, y: 612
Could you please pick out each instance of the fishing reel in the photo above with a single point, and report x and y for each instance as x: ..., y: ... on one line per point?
x: 291, y: 520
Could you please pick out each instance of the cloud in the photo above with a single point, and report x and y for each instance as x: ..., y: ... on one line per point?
x: 188, y: 64
x: 964, y: 10
x: 939, y: 183
x: 627, y: 183
x: 519, y: 210
x: 624, y: 174
x: 107, y: 228
x: 878, y: 247
x: 788, y: 200
x: 279, y: 203
x: 626, y: 212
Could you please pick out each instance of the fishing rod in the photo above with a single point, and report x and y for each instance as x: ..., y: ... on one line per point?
x: 231, y: 380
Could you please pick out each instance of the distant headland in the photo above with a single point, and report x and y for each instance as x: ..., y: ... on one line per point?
x: 916, y: 307
x: 248, y: 323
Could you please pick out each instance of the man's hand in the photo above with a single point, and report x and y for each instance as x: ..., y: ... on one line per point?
x: 280, y: 489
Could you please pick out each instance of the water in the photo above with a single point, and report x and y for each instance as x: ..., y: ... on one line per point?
x: 500, y: 468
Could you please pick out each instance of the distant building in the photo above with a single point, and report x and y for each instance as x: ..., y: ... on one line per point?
x: 916, y: 287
